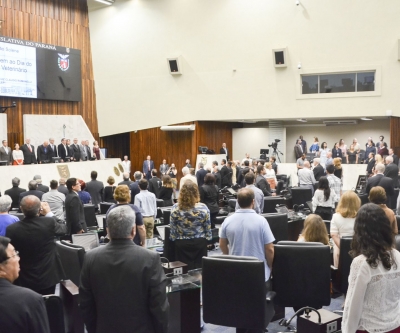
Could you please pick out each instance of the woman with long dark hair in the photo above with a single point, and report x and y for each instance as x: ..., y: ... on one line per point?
x: 209, y: 196
x: 323, y: 153
x: 324, y: 199
x: 373, y: 297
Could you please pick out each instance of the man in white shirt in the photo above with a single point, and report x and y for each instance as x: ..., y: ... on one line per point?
x: 147, y: 203
x: 306, y: 177
x: 186, y: 176
x: 247, y: 158
x: 55, y: 199
x: 126, y: 164
x: 334, y: 182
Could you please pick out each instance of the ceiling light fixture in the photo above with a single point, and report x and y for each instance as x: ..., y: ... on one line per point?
x: 302, y: 120
x: 365, y: 118
x: 106, y: 2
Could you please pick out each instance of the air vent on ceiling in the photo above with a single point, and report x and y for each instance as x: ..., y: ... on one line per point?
x: 339, y: 122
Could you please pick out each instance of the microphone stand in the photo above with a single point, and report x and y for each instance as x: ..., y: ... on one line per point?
x: 307, y: 310
x: 3, y: 109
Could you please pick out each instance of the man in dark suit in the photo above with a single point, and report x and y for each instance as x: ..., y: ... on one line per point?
x: 242, y: 173
x: 32, y: 190
x: 261, y: 182
x: 53, y: 147
x: 148, y: 165
x: 164, y: 167
x: 395, y: 157
x: 380, y: 180
x: 134, y: 187
x: 74, y: 213
x: 318, y: 169
x: 392, y: 171
x: 71, y: 151
x: 105, y: 294
x: 95, y: 189
x: 370, y: 163
x: 126, y: 180
x: 40, y: 186
x: 226, y: 174
x: 200, y: 174
x: 298, y: 149
x: 29, y: 152
x: 34, y: 236
x: 21, y: 308
x: 61, y: 187
x: 88, y: 150
x: 76, y: 150
x: 14, y: 192
x: 217, y: 176
x: 44, y: 153
x: 224, y: 150
x: 154, y: 183
x: 5, y: 153
x: 63, y: 150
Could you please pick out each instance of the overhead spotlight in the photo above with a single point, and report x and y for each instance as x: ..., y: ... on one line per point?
x: 302, y: 120
x: 299, y: 65
x: 365, y: 118
x: 106, y: 2
x: 297, y: 2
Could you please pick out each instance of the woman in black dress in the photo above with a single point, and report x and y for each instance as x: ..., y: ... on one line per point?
x: 352, y: 155
x: 109, y: 190
x: 166, y: 190
x: 336, y: 151
x: 209, y: 196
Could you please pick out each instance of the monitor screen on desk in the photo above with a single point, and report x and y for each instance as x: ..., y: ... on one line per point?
x: 88, y: 240
x: 161, y: 231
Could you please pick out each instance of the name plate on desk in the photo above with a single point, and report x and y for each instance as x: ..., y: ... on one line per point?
x: 175, y: 268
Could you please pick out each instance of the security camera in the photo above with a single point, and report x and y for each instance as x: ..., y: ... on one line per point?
x: 299, y: 65
x: 297, y: 2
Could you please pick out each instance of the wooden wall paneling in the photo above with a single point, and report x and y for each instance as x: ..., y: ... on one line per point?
x: 395, y: 134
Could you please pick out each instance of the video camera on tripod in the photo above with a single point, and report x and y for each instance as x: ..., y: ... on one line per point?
x: 274, y: 145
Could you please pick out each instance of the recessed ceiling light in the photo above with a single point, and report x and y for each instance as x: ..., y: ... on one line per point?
x: 106, y: 2
x: 302, y: 120
x: 365, y: 118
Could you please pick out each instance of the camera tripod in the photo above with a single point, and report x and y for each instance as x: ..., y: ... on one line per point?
x: 276, y: 155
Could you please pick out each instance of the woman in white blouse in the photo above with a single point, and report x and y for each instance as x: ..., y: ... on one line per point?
x: 323, y: 152
x: 342, y: 223
x: 324, y: 199
x: 270, y: 175
x: 17, y: 155
x: 373, y: 297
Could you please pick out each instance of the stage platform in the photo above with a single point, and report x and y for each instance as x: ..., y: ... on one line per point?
x: 350, y: 173
x: 81, y: 170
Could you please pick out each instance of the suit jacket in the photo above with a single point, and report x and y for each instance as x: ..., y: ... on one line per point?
x: 88, y: 152
x: 5, y: 154
x: 22, y: 310
x: 126, y: 182
x: 319, y: 172
x: 63, y: 189
x: 53, y: 149
x: 263, y: 185
x: 83, y: 152
x: 96, y: 191
x: 200, y: 174
x: 36, y: 193
x: 134, y: 187
x: 226, y: 176
x: 370, y: 166
x: 40, y: 264
x: 395, y: 159
x: 134, y: 301
x: 76, y: 152
x: 386, y: 183
x: 44, y: 154
x: 297, y: 151
x: 71, y: 152
x: 337, y: 153
x: 14, y: 193
x: 217, y: 179
x: 61, y: 151
x: 392, y: 171
x: 146, y: 167
x: 74, y: 213
x: 155, y: 185
x: 242, y: 173
x: 222, y: 151
x: 43, y: 188
x: 164, y: 168
x: 29, y: 156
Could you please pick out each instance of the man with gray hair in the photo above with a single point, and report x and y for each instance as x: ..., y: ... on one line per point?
x: 126, y: 180
x: 14, y: 192
x: 318, y: 169
x: 5, y: 218
x: 380, y: 180
x: 40, y: 186
x: 306, y: 177
x: 32, y: 190
x: 62, y: 188
x: 105, y: 294
x: 134, y: 187
x: 200, y: 174
x: 186, y: 176
x: 392, y: 171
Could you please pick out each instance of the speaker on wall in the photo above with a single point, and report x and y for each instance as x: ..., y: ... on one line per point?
x: 174, y: 66
x: 279, y: 57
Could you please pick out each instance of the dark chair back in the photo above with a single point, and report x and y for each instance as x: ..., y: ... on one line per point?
x: 169, y: 246
x: 364, y: 198
x: 344, y: 262
x: 393, y: 199
x: 55, y: 313
x: 397, y: 242
x: 279, y: 226
x: 328, y: 226
x: 90, y: 216
x: 71, y: 259
x: 301, y: 274
x: 232, y: 203
x: 228, y: 297
x: 300, y: 195
x: 104, y: 206
x: 160, y: 203
x: 279, y: 186
x: 398, y: 222
x: 270, y: 204
x: 166, y: 216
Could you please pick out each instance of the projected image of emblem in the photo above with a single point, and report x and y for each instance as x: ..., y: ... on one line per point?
x: 63, y: 61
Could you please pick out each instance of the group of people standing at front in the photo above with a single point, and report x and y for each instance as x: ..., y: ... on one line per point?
x: 26, y: 154
x: 347, y: 154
